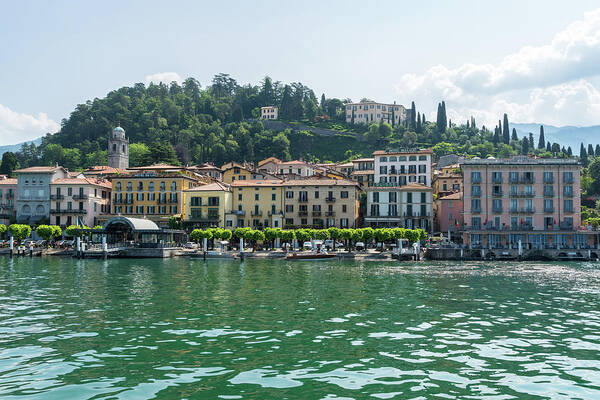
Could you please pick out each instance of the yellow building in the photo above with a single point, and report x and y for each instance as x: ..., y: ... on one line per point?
x: 155, y: 192
x: 206, y: 206
x: 256, y: 203
x: 237, y: 172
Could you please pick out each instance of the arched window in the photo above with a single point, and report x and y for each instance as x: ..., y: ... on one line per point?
x: 26, y: 209
x: 114, y: 148
x: 40, y: 210
x: 129, y: 186
x: 118, y: 187
x: 163, y: 186
x: 123, y: 148
x: 173, y: 186
x: 151, y: 186
x: 140, y: 185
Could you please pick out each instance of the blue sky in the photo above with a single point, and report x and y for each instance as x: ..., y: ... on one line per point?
x: 536, y: 60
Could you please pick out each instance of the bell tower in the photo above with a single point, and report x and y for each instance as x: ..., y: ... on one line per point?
x: 118, y: 149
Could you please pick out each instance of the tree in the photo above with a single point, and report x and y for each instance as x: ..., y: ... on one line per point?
x: 569, y: 152
x: 2, y: 230
x: 10, y: 162
x: 583, y: 155
x: 138, y: 154
x: 541, y: 140
x: 590, y: 150
x: 413, y: 117
x: 310, y: 109
x: 334, y: 234
x: 505, y: 130
x: 597, y: 150
x: 514, y: 135
x: 161, y: 153
x: 594, y: 173
x: 323, y: 104
x: 19, y: 231
x: 531, y: 141
x: 525, y: 146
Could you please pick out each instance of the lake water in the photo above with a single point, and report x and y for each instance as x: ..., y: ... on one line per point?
x: 179, y: 328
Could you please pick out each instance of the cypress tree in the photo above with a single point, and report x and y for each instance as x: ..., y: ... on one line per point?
x: 531, y: 142
x: 505, y: 130
x: 323, y: 101
x: 525, y: 146
x: 444, y: 118
x: 496, y: 138
x: 569, y: 151
x: 555, y: 148
x: 597, y: 151
x: 563, y: 150
x: 590, y: 150
x: 473, y: 122
x: 413, y: 116
x: 419, y: 125
x: 548, y: 147
x: 542, y: 140
x: 423, y: 119
x: 514, y: 135
x: 583, y: 154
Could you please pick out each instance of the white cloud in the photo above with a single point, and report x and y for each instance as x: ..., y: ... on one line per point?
x: 548, y: 84
x: 19, y: 127
x: 164, y: 77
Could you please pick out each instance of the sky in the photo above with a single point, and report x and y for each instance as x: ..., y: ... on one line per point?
x: 535, y: 60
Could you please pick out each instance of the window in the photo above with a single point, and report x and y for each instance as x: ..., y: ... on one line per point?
x: 213, y: 201
x: 422, y: 169
x: 383, y: 159
x: 567, y: 177
x: 382, y: 169
x: 412, y: 169
x: 476, y: 177
x: 409, y: 197
x: 289, y: 194
x: 475, y: 205
x: 548, y: 205
x: 163, y: 186
x: 70, y: 191
x: 497, y: 177
x: 513, y: 177
x: 129, y: 187
x: 256, y: 197
x: 476, y: 222
x: 476, y: 190
x: 568, y: 191
x: 423, y: 197
x: 375, y: 197
x: 422, y: 158
x: 151, y: 186
x: 140, y: 185
x: 393, y: 159
x: 344, y: 208
x: 548, y: 177
x: 316, y: 194
x: 412, y: 158
x: 173, y: 186
x: 344, y: 194
x: 289, y: 208
x: 497, y: 205
x: 568, y: 205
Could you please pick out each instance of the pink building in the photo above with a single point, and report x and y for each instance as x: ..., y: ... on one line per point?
x: 533, y: 201
x: 8, y: 193
x: 79, y: 199
x: 449, y: 213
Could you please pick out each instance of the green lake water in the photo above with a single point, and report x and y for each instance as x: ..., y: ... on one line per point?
x: 262, y: 329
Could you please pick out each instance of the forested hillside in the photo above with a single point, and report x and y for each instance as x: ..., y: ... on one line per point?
x: 190, y: 124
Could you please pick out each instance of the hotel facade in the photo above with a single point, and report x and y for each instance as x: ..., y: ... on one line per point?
x: 536, y: 202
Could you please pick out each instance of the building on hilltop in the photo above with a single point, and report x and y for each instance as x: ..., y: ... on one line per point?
x: 118, y: 149
x: 372, y: 112
x: 269, y: 112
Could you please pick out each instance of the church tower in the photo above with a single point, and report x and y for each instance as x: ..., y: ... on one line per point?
x: 118, y: 149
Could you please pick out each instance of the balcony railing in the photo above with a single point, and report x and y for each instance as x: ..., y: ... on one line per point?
x: 548, y: 193
x: 204, y: 218
x: 476, y: 194
x: 9, y: 195
x: 568, y: 194
x: 80, y: 197
x: 330, y: 199
x: 522, y: 194
x: 497, y: 209
x: 568, y: 180
x: 238, y: 212
x: 525, y: 179
x: 522, y: 210
x: 303, y: 213
x: 330, y: 213
x: 476, y: 210
x: 303, y: 200
x: 256, y: 213
x: 316, y: 213
x: 123, y: 201
x: 548, y: 209
x: 476, y: 180
x: 497, y: 179
x: 67, y: 211
x: 497, y: 193
x: 57, y: 196
x: 569, y: 210
x: 548, y: 179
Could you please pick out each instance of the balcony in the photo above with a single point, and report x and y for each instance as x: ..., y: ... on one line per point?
x: 9, y: 195
x: 476, y: 210
x: 330, y: 214
x: 162, y: 201
x: 548, y: 179
x: 67, y: 211
x: 548, y: 193
x: 271, y: 213
x: 206, y: 218
x: 522, y: 210
x: 316, y: 213
x: 176, y: 201
x: 568, y: 211
x: 527, y: 179
x: 568, y: 180
x: 123, y: 201
x: 303, y: 213
x: 238, y: 212
x: 330, y: 199
x: 256, y: 213
x: 476, y: 180
x: 548, y: 209
x: 80, y: 197
x: 568, y: 194
x: 497, y: 193
x: 303, y: 200
x: 522, y: 194
x: 57, y: 197
x: 513, y: 179
x: 476, y: 194
x: 497, y: 179
x: 497, y: 210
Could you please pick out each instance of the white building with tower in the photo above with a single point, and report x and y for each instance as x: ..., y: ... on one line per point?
x: 118, y: 149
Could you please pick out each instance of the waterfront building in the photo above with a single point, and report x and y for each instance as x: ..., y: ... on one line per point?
x: 238, y: 172
x: 77, y: 201
x: 372, y: 112
x: 401, y: 193
x: 33, y: 189
x: 8, y: 194
x: 155, y: 192
x: 363, y: 171
x: 409, y: 206
x: 522, y: 199
x: 448, y: 211
x: 268, y: 165
x: 206, y: 206
x: 118, y: 149
x: 269, y: 112
x: 257, y: 203
x: 321, y: 203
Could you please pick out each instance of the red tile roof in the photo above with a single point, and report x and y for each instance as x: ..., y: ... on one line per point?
x: 82, y: 181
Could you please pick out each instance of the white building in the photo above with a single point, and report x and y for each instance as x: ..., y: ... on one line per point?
x: 401, y: 194
x: 270, y: 112
x: 371, y: 112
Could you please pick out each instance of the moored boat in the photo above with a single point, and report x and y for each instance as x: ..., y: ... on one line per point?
x: 310, y: 256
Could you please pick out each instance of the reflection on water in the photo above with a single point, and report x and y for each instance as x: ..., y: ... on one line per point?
x: 130, y: 329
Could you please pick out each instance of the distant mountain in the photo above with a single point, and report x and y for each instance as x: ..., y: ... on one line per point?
x: 16, y: 147
x: 564, y: 135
